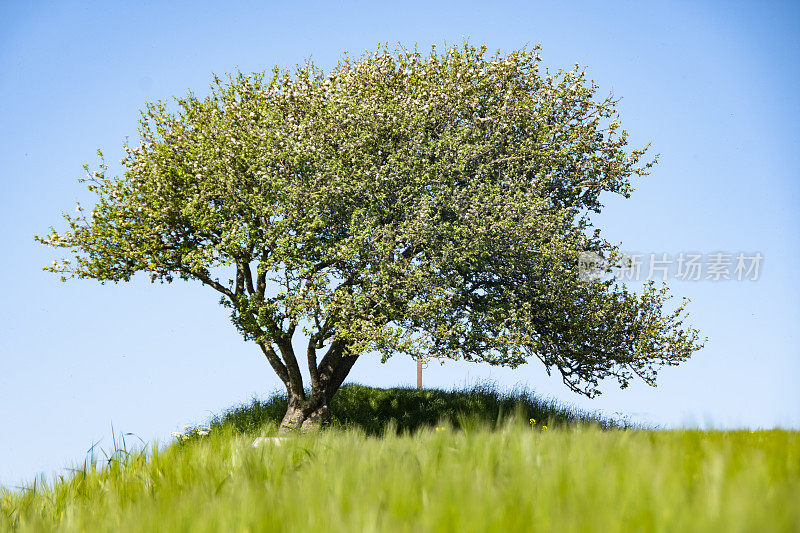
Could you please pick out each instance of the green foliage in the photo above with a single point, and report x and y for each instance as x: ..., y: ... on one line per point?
x: 516, y: 478
x: 433, y: 205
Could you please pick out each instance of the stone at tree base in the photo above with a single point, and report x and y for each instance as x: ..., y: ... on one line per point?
x: 277, y: 441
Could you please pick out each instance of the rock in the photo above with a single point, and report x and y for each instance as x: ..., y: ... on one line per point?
x: 276, y: 441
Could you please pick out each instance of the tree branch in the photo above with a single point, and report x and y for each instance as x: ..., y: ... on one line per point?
x: 293, y: 370
x: 330, y: 360
x: 239, y: 289
x: 248, y: 277
x: 275, y: 362
x: 203, y: 277
x: 311, y: 355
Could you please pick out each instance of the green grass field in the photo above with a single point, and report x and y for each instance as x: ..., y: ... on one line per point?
x: 489, y: 470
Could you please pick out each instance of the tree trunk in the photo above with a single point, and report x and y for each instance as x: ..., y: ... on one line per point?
x: 306, y: 413
x: 311, y: 412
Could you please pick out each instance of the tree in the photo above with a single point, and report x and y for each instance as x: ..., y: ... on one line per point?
x: 435, y: 206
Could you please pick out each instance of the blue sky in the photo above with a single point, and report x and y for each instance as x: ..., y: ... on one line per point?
x: 712, y: 85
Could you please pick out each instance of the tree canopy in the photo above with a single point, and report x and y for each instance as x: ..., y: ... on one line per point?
x: 432, y: 205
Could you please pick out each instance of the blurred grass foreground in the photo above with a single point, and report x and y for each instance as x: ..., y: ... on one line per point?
x: 407, y: 460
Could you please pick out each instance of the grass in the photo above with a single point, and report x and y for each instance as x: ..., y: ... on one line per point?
x: 479, y: 473
x: 408, y: 410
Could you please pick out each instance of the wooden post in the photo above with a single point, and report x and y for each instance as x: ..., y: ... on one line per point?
x: 419, y: 374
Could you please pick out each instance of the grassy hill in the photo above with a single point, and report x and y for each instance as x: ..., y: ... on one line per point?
x: 402, y: 460
x: 406, y: 410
